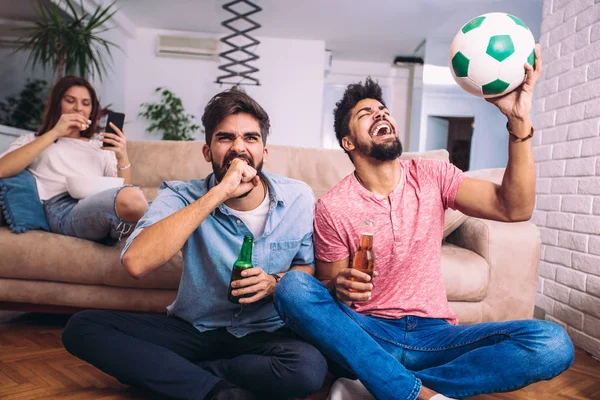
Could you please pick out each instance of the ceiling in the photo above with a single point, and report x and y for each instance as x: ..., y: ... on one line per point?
x: 20, y: 11
x: 17, y: 10
x: 16, y: 14
x: 368, y: 30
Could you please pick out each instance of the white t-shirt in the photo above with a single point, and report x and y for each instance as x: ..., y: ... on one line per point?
x: 256, y: 219
x: 66, y: 157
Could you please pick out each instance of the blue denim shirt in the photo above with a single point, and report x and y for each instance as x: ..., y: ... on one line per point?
x: 211, y: 250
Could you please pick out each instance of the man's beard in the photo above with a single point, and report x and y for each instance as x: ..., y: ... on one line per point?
x: 381, y: 151
x: 220, y: 171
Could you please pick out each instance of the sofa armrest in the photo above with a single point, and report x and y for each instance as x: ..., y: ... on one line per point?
x: 512, y: 251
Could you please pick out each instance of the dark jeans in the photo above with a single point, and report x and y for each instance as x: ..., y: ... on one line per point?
x: 169, y: 356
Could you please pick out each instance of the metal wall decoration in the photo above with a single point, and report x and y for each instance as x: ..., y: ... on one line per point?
x: 239, y: 56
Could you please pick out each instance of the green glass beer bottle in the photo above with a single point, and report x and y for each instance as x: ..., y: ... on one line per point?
x: 243, y: 262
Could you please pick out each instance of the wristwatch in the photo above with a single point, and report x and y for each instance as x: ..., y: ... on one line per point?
x: 277, y: 277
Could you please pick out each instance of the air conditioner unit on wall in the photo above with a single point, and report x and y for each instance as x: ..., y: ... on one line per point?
x: 188, y: 47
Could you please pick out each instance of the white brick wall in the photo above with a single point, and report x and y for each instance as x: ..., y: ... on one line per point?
x: 567, y: 154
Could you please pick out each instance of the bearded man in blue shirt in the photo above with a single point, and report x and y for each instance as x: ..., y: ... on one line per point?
x: 207, y: 347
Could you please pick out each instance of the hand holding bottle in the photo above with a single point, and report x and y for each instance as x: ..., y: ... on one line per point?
x: 255, y: 284
x: 353, y: 285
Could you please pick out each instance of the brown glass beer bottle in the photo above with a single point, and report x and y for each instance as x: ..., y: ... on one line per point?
x: 364, y: 258
x: 243, y: 262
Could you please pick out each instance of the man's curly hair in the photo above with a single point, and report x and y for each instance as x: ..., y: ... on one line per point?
x: 353, y: 94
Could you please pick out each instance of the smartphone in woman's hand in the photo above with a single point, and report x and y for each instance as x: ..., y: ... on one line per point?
x: 116, y: 118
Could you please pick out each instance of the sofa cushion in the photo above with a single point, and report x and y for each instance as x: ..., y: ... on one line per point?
x: 490, y: 174
x: 171, y: 160
x: 321, y: 169
x: 45, y: 256
x: 454, y: 218
x: 41, y: 256
x: 20, y: 203
x: 466, y: 274
x: 85, y: 296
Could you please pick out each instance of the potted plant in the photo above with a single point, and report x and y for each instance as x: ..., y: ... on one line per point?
x: 169, y: 117
x: 25, y: 110
x: 68, y: 46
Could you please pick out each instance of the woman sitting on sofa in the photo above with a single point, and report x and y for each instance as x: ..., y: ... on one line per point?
x: 65, y: 146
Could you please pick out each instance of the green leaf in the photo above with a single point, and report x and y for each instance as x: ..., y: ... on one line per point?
x: 168, y: 117
x: 26, y: 109
x: 73, y: 44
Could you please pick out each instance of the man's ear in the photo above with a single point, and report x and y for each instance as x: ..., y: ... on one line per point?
x: 347, y: 144
x: 265, y: 155
x: 206, y: 153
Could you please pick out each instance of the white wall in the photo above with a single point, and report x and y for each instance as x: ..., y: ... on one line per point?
x: 291, y: 90
x: 489, y: 143
x: 567, y: 155
x: 111, y: 91
x: 120, y: 31
x: 393, y: 80
x: 437, y: 133
x: 416, y: 107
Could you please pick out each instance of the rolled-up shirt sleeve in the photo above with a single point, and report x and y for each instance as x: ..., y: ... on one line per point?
x: 329, y: 246
x: 450, y: 178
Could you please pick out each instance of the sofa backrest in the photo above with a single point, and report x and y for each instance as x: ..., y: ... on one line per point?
x: 153, y: 162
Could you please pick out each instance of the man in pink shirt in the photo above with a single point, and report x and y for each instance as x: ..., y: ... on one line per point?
x: 396, y: 331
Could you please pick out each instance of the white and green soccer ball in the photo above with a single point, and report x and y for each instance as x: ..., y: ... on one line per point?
x: 488, y: 54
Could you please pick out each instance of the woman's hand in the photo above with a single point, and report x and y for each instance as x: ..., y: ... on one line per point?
x: 69, y: 124
x: 117, y: 142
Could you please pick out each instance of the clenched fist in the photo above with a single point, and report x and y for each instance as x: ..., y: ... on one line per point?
x: 239, y: 179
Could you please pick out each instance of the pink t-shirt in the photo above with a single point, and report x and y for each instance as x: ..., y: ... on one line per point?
x: 407, y: 239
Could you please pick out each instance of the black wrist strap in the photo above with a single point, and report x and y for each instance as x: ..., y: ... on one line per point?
x: 518, y: 139
x: 277, y: 277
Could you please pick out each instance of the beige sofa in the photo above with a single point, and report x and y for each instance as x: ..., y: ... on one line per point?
x: 490, y: 268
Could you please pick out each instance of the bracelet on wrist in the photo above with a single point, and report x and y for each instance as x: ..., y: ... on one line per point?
x: 518, y: 139
x: 276, y: 277
x: 124, y: 168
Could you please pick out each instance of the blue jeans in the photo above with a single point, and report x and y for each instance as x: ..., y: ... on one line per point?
x: 393, y: 358
x: 92, y: 218
x: 168, y: 355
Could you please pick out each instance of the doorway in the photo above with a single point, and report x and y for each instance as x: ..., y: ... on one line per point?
x: 453, y: 134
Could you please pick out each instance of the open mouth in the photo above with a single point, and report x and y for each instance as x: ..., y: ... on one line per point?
x: 382, y: 129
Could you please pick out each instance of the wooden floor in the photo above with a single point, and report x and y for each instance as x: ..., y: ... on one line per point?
x: 34, y: 365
